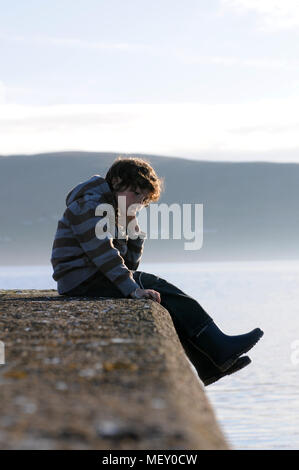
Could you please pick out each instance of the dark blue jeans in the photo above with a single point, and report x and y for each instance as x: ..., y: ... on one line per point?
x: 187, y: 315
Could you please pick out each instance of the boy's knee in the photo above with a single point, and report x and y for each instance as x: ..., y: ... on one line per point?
x: 147, y: 280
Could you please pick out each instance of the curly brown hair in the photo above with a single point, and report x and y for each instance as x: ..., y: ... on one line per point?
x: 135, y: 173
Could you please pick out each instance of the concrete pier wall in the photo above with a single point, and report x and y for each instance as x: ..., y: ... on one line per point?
x: 85, y: 373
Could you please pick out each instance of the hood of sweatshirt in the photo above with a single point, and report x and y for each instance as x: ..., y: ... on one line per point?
x: 94, y: 189
x: 90, y: 190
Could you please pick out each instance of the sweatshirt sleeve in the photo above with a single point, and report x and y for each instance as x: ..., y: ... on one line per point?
x: 135, y: 250
x: 101, y: 252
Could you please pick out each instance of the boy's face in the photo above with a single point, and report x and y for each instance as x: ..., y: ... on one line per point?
x: 133, y: 197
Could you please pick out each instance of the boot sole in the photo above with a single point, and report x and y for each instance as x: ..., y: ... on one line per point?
x: 231, y: 361
x: 243, y: 362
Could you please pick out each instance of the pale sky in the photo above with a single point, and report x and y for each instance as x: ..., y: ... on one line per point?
x: 206, y: 79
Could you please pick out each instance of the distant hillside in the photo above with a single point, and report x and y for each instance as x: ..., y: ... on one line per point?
x: 251, y: 210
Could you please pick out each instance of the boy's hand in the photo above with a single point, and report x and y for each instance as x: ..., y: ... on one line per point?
x: 136, y: 228
x: 147, y: 294
x: 129, y: 218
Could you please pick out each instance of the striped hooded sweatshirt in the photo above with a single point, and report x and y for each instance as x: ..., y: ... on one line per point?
x: 78, y: 254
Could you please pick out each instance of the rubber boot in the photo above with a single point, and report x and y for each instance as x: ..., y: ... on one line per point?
x: 223, y: 350
x: 206, y: 370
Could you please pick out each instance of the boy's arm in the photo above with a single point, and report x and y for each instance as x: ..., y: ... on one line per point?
x: 101, y: 252
x: 135, y: 247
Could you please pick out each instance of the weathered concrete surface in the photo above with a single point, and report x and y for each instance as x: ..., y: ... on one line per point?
x: 85, y: 373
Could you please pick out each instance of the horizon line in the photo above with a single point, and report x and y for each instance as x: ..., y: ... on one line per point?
x: 139, y: 154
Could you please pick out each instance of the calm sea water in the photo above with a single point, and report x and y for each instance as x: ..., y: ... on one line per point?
x: 257, y: 408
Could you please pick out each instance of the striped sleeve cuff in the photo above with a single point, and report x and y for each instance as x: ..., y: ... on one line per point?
x: 128, y: 286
